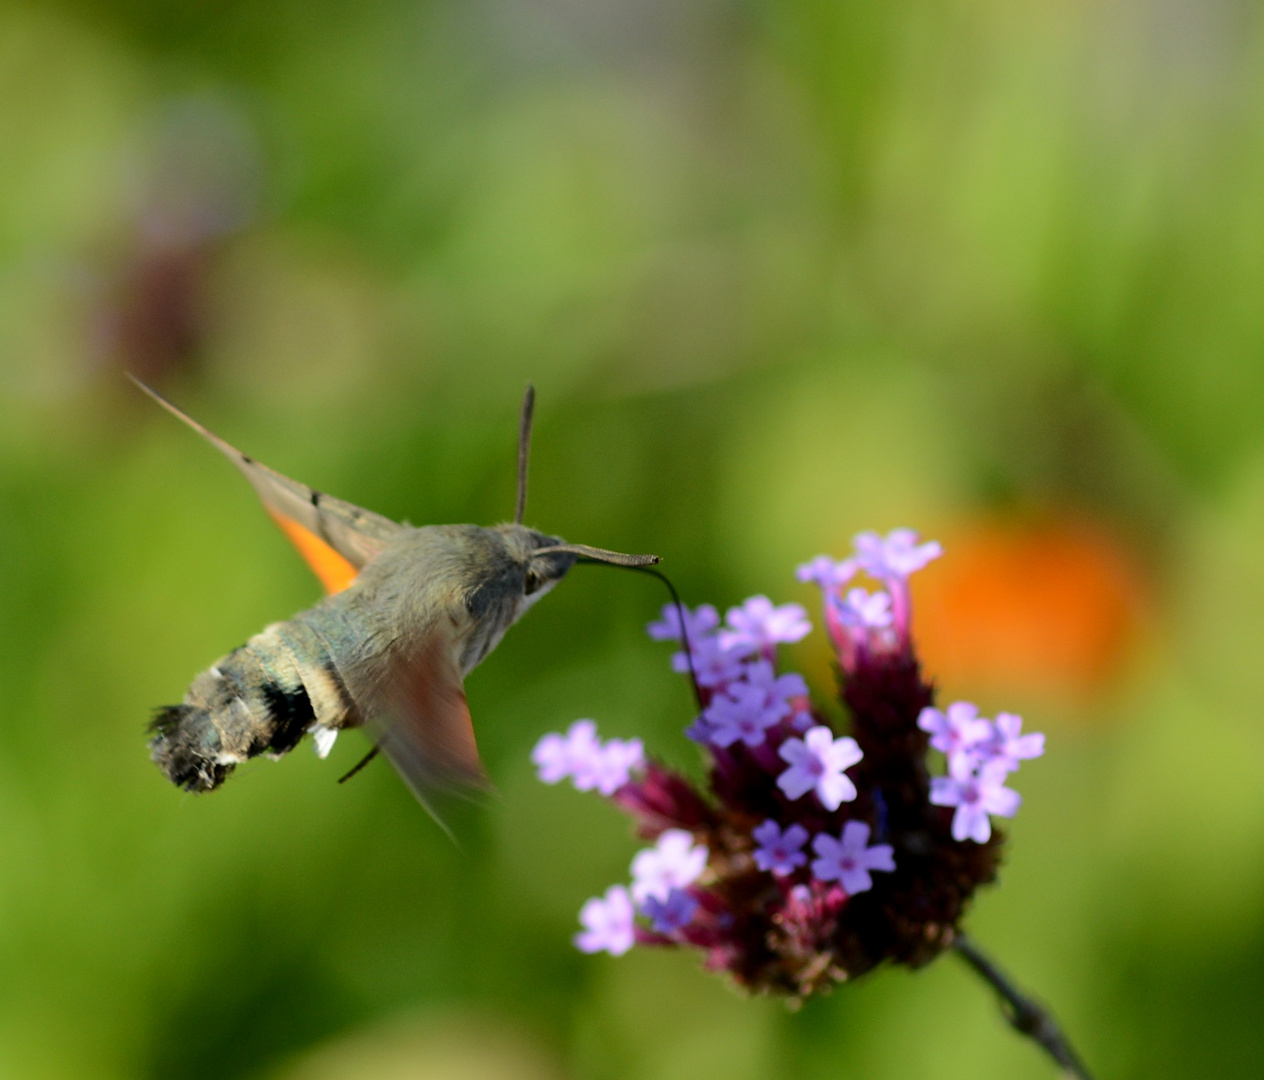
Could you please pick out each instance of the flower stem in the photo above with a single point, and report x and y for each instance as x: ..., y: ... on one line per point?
x: 1023, y: 1014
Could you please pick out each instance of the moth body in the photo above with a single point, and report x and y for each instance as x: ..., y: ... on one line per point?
x: 411, y: 612
x: 435, y: 600
x: 261, y: 698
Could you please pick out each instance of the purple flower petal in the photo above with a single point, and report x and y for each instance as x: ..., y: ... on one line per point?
x: 971, y: 822
x: 816, y: 763
x: 958, y: 732
x: 826, y: 573
x: 675, y: 912
x: 779, y: 852
x: 608, y: 923
x: 674, y: 862
x: 758, y: 626
x: 713, y: 664
x: 1008, y: 746
x: 863, y: 610
x: 698, y: 623
x: 749, y: 707
x: 897, y: 555
x: 613, y: 766
x: 573, y: 754
x: 975, y: 795
x: 804, y: 772
x: 849, y: 860
x: 551, y: 759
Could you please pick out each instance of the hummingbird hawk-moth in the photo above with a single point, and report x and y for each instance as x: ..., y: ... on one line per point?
x: 409, y: 613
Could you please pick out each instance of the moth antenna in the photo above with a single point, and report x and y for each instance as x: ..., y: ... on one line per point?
x: 524, y: 450
x: 680, y: 614
x: 596, y: 554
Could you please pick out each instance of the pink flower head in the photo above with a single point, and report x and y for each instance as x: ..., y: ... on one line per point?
x: 817, y: 762
x: 779, y: 852
x: 957, y: 731
x: 758, y: 626
x: 608, y: 923
x: 849, y: 859
x: 975, y: 795
x: 897, y: 555
x: 674, y: 862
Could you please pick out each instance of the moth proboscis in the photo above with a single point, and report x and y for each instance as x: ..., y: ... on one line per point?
x: 410, y: 611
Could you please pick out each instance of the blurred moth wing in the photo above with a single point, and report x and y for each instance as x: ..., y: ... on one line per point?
x: 335, y: 538
x: 409, y: 613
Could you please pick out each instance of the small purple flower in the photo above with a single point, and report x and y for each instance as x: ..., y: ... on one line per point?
x: 975, y: 795
x: 608, y: 923
x: 747, y: 709
x: 698, y: 623
x: 559, y: 756
x: 744, y: 713
x: 674, y: 913
x: 862, y: 609
x: 1008, y: 747
x: 817, y: 762
x: 775, y: 687
x: 674, y: 862
x: 757, y: 626
x: 849, y: 859
x: 713, y: 663
x: 701, y: 730
x: 897, y: 555
x: 957, y: 731
x: 612, y: 767
x: 779, y: 852
x: 826, y: 573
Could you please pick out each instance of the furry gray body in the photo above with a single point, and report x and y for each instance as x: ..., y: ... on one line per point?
x: 456, y: 588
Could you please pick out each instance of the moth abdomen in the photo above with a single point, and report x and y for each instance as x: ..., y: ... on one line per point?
x: 291, y: 709
x: 185, y: 746
x: 259, y: 699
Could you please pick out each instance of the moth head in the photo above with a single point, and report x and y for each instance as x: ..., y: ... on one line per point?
x: 544, y: 560
x: 544, y: 566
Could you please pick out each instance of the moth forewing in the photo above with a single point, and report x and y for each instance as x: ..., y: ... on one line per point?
x: 336, y: 538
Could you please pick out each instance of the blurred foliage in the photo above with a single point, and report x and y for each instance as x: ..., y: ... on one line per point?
x: 780, y: 271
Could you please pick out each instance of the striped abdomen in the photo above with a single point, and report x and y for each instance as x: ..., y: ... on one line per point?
x: 260, y: 698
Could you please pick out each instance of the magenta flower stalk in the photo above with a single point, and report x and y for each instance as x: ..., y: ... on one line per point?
x: 810, y: 856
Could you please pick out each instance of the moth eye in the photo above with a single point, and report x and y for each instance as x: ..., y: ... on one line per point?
x: 530, y: 583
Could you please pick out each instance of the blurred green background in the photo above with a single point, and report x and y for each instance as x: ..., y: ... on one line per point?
x: 780, y: 271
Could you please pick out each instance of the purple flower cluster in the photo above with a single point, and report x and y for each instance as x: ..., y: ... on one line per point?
x: 810, y: 857
x: 662, y: 892
x: 981, y: 754
x: 586, y: 760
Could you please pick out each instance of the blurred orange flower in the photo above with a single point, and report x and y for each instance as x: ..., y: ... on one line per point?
x: 1051, y: 607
